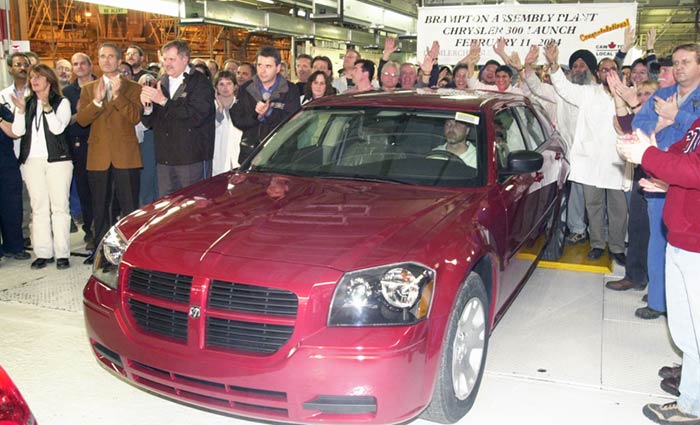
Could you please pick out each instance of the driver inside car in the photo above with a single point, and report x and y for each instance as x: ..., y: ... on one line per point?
x: 456, y: 142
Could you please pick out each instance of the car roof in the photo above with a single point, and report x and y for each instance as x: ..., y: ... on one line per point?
x: 423, y: 98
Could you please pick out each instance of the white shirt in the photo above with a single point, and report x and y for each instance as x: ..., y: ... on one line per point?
x: 57, y: 121
x: 176, y: 82
x: 469, y: 157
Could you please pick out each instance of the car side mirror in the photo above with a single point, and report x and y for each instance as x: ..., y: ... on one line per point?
x: 522, y: 162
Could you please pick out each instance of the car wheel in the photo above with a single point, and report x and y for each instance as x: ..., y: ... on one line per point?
x: 463, y: 355
x: 555, y: 246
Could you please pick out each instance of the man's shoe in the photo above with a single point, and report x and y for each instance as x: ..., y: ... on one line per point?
x: 670, y: 371
x: 669, y: 413
x: 73, y: 227
x: 62, y: 263
x: 575, y: 238
x: 620, y: 258
x: 624, y: 284
x: 595, y: 253
x: 648, y: 313
x: 40, y: 263
x: 90, y: 246
x: 89, y: 236
x: 27, y: 243
x: 90, y: 259
x: 645, y: 298
x: 22, y: 255
x: 670, y: 385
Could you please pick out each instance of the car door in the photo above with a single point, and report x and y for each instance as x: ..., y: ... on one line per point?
x: 517, y: 200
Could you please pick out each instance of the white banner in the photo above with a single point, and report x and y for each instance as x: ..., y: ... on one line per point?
x: 598, y: 27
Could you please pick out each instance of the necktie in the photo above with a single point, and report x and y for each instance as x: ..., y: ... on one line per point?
x: 108, y: 92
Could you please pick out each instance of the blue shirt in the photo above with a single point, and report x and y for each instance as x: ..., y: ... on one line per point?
x: 688, y: 112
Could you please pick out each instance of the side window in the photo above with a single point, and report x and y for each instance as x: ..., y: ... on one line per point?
x: 531, y: 128
x: 508, y: 136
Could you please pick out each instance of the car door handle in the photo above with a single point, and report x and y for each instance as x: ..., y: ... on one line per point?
x: 539, y: 176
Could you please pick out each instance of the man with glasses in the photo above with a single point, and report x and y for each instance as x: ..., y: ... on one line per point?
x: 18, y: 67
x: 594, y: 161
x: 389, y: 76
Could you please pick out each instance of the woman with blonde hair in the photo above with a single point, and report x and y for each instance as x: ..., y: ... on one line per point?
x: 41, y: 120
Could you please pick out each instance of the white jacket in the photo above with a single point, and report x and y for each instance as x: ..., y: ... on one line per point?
x: 594, y: 159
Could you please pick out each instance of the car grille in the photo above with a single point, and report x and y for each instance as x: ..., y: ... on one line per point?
x: 168, y: 286
x: 162, y: 321
x: 258, y: 337
x: 252, y: 299
x: 151, y: 295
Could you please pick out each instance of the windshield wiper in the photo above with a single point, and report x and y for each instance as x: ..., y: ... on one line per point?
x: 361, y: 177
x: 280, y: 171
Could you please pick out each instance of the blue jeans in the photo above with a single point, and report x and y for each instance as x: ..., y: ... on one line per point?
x: 656, y: 253
x: 683, y: 297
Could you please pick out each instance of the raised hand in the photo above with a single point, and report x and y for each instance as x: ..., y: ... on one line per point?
x: 19, y: 101
x: 500, y: 49
x: 434, y: 50
x: 389, y: 48
x: 532, y: 55
x: 630, y: 35
x: 551, y: 52
x: 619, y: 88
x: 651, y: 38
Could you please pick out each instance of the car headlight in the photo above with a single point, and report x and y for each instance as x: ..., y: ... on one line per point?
x: 108, y: 256
x: 398, y: 294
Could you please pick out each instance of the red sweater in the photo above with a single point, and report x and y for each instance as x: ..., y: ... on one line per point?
x: 680, y: 168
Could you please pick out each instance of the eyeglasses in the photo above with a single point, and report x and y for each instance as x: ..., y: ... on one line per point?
x: 607, y: 69
x: 20, y: 65
x: 389, y: 74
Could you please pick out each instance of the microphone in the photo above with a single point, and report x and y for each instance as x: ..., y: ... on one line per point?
x: 266, y: 97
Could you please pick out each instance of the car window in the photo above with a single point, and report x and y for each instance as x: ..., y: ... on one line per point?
x: 530, y: 126
x: 435, y: 148
x: 508, y: 136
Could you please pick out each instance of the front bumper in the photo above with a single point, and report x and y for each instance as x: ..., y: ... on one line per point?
x: 320, y: 375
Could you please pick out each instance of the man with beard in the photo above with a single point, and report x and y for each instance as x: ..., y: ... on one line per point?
x: 456, y: 142
x: 134, y: 56
x: 63, y: 70
x: 594, y: 161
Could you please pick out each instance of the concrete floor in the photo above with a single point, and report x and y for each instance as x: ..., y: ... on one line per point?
x: 567, y: 352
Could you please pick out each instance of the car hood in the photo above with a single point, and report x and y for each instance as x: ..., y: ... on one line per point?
x: 342, y: 224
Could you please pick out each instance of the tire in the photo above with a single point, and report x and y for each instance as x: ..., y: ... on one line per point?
x: 555, y: 246
x: 463, y: 355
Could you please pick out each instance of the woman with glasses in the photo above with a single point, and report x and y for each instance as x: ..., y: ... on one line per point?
x: 41, y: 120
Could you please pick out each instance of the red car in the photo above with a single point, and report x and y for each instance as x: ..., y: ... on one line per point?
x: 14, y: 410
x: 349, y: 272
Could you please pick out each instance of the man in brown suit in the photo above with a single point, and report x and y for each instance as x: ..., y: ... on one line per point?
x: 112, y: 106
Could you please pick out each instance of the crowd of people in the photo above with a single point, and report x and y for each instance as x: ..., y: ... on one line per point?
x: 138, y: 132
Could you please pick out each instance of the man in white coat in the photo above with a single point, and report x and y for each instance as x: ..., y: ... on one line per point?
x: 594, y: 161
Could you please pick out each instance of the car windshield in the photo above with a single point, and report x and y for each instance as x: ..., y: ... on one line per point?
x: 405, y: 146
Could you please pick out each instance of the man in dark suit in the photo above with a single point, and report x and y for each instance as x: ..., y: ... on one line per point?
x: 180, y: 110
x: 111, y: 106
x: 263, y: 102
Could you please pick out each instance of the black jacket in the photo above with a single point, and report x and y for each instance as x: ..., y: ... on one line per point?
x: 183, y: 129
x: 56, y: 144
x: 285, y: 103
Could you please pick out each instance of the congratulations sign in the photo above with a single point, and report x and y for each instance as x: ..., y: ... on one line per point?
x: 598, y: 27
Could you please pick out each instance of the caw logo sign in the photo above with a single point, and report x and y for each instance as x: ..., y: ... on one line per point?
x: 606, y: 50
